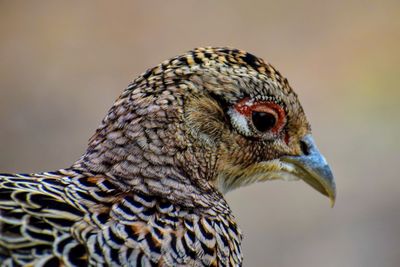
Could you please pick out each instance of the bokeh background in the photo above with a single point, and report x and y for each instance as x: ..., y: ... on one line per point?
x: 62, y: 64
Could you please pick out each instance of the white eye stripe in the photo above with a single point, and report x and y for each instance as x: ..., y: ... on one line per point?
x: 239, y: 121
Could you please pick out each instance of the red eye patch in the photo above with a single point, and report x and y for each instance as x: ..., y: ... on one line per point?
x: 248, y: 107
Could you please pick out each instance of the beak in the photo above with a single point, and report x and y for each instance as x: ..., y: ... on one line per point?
x: 313, y: 169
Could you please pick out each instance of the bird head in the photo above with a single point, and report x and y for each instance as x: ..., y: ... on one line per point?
x: 211, y: 119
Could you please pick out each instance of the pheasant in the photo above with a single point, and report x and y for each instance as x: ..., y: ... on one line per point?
x: 149, y: 190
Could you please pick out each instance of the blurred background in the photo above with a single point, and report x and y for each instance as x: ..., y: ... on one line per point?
x: 63, y: 63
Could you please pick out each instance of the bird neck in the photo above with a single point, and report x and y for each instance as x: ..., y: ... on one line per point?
x: 149, y: 156
x: 154, y: 179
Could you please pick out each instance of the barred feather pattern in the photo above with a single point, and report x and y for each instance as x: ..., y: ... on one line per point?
x: 69, y: 218
x: 148, y: 191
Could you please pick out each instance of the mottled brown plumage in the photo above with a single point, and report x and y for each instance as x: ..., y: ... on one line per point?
x: 149, y: 189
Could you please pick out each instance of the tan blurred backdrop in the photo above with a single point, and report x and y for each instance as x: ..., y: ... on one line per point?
x: 62, y: 64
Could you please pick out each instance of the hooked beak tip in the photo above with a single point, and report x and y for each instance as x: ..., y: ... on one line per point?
x: 313, y: 169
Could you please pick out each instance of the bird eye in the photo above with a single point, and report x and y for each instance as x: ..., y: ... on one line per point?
x: 249, y: 115
x: 263, y: 121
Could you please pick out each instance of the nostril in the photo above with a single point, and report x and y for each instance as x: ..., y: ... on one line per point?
x: 304, y: 148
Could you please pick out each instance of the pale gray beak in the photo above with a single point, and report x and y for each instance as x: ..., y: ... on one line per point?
x: 313, y: 169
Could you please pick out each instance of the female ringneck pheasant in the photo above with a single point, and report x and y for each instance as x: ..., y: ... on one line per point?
x: 149, y: 189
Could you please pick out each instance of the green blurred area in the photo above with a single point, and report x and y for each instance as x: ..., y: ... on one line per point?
x: 62, y: 64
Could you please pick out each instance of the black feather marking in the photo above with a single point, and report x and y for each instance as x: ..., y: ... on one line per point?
x: 77, y: 255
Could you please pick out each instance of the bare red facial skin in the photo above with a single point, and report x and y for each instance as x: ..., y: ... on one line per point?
x: 246, y: 106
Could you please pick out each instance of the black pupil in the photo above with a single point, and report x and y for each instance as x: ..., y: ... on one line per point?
x: 263, y: 121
